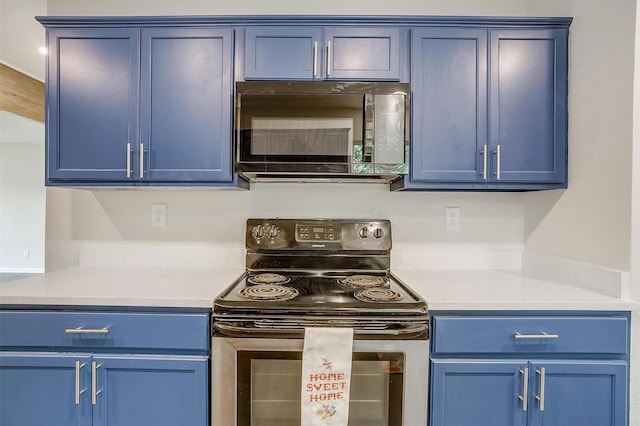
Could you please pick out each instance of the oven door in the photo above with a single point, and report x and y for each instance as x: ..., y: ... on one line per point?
x: 257, y: 382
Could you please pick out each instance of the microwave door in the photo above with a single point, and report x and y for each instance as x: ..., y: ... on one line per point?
x: 299, y: 132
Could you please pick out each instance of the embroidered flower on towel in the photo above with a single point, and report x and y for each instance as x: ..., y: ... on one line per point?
x: 326, y: 412
x: 327, y: 364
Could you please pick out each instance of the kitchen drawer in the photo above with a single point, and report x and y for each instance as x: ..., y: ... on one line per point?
x: 495, y: 334
x: 104, y: 330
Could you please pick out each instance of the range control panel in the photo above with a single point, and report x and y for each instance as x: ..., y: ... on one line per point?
x: 315, y: 233
x: 318, y: 234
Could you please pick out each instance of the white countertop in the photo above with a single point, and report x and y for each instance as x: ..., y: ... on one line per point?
x: 447, y: 290
x: 180, y: 287
x: 194, y: 287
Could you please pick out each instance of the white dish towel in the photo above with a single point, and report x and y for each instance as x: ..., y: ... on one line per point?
x: 326, y: 376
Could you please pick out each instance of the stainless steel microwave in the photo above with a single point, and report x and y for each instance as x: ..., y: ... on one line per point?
x: 321, y: 130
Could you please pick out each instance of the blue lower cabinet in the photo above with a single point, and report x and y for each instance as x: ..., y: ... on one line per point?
x: 45, y: 389
x: 579, y: 393
x: 60, y: 389
x: 477, y: 392
x: 530, y: 370
x: 567, y: 393
x: 136, y: 390
x: 104, y: 368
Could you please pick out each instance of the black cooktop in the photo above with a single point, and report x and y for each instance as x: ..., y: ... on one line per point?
x: 322, y: 293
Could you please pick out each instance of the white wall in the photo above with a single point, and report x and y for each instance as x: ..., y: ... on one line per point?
x: 22, y: 207
x: 22, y: 192
x: 591, y: 221
x: 77, y: 218
x: 209, y: 218
x: 255, y: 7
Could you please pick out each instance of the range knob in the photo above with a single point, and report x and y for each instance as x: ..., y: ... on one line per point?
x: 273, y: 232
x: 364, y: 232
x: 378, y: 233
x: 257, y: 232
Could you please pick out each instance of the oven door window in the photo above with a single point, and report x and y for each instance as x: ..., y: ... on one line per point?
x: 269, y: 389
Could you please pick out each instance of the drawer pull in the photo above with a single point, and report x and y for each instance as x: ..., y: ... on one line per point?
x: 525, y: 388
x: 543, y: 335
x: 81, y: 330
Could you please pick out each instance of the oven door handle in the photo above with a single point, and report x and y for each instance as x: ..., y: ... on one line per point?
x: 236, y: 329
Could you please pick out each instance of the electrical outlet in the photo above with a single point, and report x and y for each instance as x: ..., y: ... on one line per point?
x: 159, y: 215
x: 452, y: 218
x: 25, y: 254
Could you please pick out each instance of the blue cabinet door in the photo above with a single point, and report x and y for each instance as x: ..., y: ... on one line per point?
x: 186, y: 104
x: 283, y: 53
x: 527, y: 107
x: 134, y: 390
x: 44, y: 389
x: 92, y: 100
x: 316, y: 53
x: 477, y: 392
x: 558, y: 392
x: 449, y: 114
x: 362, y: 53
x: 578, y: 393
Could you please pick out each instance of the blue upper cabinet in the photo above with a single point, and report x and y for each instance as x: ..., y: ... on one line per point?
x: 528, y: 106
x: 92, y: 102
x: 186, y: 105
x: 322, y: 53
x: 362, y: 53
x: 489, y: 109
x: 132, y: 106
x: 282, y: 53
x: 449, y: 84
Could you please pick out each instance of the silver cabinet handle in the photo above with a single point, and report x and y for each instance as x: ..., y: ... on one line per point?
x: 94, y: 382
x: 525, y: 388
x: 78, y: 390
x: 328, y: 58
x: 543, y: 335
x: 540, y: 398
x: 315, y: 58
x: 141, y: 162
x: 81, y: 330
x: 129, y: 159
x: 484, y: 162
x: 497, y: 153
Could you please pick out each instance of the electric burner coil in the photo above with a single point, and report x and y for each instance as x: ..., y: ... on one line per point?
x: 274, y: 292
x: 363, y: 281
x: 268, y: 278
x: 378, y: 295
